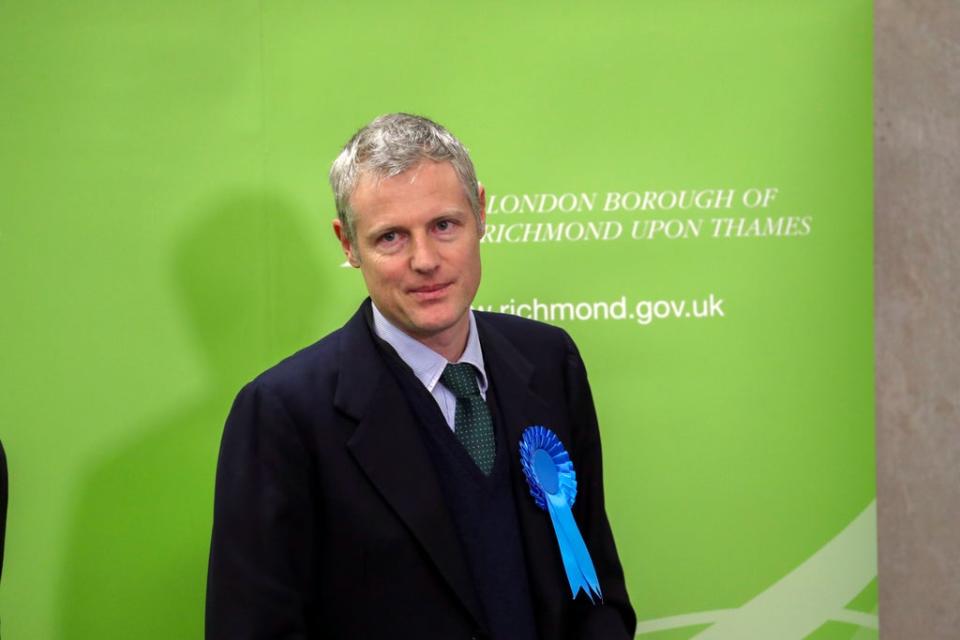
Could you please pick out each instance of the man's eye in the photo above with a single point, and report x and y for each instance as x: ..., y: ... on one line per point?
x: 445, y: 225
x: 389, y: 237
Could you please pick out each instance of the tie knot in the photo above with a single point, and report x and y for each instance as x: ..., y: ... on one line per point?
x: 461, y: 380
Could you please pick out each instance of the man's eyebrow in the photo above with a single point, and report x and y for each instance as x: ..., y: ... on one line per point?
x: 446, y: 213
x: 382, y: 229
x: 452, y: 212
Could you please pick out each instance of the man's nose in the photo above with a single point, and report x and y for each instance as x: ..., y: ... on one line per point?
x: 424, y: 257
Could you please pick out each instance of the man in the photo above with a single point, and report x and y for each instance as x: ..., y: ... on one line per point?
x: 370, y: 486
x: 3, y: 501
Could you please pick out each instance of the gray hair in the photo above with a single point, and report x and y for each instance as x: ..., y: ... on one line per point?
x: 390, y: 145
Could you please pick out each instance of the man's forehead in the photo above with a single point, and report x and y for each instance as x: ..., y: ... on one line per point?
x: 370, y: 179
x: 424, y: 179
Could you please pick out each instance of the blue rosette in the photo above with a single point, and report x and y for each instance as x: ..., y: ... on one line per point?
x: 553, y: 485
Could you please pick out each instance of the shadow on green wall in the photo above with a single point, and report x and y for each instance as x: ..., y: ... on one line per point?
x: 139, y: 536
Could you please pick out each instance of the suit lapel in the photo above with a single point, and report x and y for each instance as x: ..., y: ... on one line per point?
x: 512, y: 375
x: 388, y: 447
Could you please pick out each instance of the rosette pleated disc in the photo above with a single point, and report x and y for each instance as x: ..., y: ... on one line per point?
x: 539, y: 447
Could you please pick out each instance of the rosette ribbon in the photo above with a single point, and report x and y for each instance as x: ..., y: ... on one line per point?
x: 553, y: 485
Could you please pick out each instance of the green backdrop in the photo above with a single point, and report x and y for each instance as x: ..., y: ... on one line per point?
x: 685, y: 186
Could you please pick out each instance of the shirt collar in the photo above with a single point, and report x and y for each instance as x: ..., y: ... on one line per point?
x: 427, y: 364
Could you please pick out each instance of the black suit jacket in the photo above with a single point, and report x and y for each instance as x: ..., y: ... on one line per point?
x: 329, y: 520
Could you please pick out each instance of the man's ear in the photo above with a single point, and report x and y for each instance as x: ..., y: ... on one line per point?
x: 482, y: 199
x: 348, y: 250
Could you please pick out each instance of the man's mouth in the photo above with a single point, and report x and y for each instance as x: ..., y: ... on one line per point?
x: 430, y: 291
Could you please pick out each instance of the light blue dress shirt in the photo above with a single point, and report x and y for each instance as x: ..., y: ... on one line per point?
x: 428, y: 365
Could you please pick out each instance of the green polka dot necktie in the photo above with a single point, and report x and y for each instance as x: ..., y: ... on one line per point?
x: 472, y: 422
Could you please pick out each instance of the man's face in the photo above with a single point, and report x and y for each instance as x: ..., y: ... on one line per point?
x: 417, y: 244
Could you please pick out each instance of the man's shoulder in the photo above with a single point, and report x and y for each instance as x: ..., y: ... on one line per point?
x: 318, y: 356
x: 528, y: 336
x: 517, y: 323
x: 309, y: 370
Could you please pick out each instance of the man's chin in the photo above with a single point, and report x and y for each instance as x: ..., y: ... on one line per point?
x: 427, y: 326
